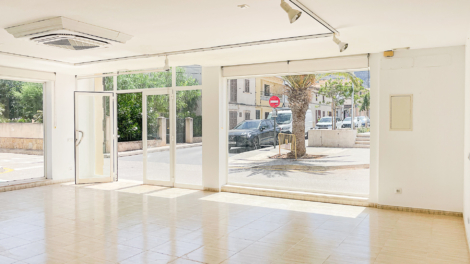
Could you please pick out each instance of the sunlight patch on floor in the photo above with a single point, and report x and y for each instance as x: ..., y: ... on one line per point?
x: 173, y: 193
x: 141, y: 189
x: 286, y: 204
x: 115, y: 185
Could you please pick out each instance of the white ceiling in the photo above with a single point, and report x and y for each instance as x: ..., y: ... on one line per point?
x: 162, y: 26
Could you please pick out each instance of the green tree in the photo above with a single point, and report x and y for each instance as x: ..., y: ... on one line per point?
x: 365, y: 103
x: 2, y: 117
x: 336, y: 91
x: 29, y: 100
x: 354, y: 89
x: 130, y: 105
x: 8, y: 99
x: 299, y: 93
x: 129, y: 116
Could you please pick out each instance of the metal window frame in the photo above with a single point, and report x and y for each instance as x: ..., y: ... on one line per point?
x: 171, y: 91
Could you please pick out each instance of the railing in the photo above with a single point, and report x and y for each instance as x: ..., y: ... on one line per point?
x: 288, y: 142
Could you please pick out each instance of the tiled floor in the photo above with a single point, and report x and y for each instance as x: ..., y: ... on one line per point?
x: 130, y: 224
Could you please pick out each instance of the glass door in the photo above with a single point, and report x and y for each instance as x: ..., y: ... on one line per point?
x: 94, y: 147
x: 157, y: 140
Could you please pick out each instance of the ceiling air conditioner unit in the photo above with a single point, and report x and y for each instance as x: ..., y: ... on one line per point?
x: 66, y: 33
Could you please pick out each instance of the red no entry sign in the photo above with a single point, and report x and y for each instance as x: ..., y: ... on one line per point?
x: 274, y: 101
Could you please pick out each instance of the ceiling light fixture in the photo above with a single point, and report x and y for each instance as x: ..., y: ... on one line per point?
x: 244, y: 6
x: 342, y: 45
x: 167, y: 64
x: 292, y: 13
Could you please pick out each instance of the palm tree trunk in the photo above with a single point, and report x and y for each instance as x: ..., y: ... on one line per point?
x: 298, y: 101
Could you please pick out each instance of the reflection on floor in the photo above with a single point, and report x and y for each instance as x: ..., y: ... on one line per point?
x: 132, y: 223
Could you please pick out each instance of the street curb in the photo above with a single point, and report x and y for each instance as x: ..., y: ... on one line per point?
x: 312, y: 167
x: 159, y: 149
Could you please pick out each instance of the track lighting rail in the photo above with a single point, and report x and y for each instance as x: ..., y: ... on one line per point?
x: 314, y: 16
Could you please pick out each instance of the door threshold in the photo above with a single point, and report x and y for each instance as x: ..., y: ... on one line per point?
x: 29, y: 183
x: 297, y: 195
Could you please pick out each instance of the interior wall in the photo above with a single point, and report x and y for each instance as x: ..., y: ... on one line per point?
x: 48, y: 125
x: 466, y: 153
x: 63, y: 127
x: 214, y: 130
x: 374, y: 71
x: 426, y: 163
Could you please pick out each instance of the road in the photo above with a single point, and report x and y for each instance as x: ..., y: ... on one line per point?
x: 21, y: 166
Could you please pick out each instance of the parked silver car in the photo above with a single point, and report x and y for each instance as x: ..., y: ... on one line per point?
x: 326, y: 123
x: 363, y: 120
x: 347, y: 122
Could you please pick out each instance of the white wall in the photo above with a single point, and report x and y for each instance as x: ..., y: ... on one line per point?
x: 466, y: 153
x: 214, y: 129
x: 63, y: 127
x: 426, y: 162
x: 244, y: 97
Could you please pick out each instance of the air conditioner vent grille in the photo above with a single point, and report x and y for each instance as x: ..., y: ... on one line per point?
x: 70, y: 42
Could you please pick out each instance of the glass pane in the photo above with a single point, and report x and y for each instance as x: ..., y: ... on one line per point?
x: 108, y: 83
x: 129, y: 117
x: 144, y: 80
x: 188, y: 168
x: 21, y: 130
x: 320, y: 164
x: 189, y: 75
x: 158, y: 138
x: 94, y: 136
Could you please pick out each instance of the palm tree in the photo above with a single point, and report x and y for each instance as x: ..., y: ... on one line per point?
x: 299, y: 93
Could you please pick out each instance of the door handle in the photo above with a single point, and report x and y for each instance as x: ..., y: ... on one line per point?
x: 81, y: 138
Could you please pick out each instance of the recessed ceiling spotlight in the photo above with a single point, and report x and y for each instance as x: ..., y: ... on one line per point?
x: 292, y: 13
x: 342, y: 45
x: 244, y: 6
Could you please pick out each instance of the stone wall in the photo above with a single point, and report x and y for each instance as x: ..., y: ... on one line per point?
x: 332, y: 138
x: 137, y: 145
x: 21, y: 143
x: 21, y: 130
x: 27, y: 136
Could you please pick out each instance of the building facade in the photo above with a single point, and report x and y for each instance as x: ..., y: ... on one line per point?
x: 265, y: 88
x: 241, y: 100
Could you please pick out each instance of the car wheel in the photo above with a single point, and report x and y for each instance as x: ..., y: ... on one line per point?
x: 255, y: 143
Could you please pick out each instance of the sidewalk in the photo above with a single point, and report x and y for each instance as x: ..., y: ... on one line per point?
x: 335, y: 158
x: 343, y: 171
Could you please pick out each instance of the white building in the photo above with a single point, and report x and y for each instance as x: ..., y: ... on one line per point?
x: 241, y: 100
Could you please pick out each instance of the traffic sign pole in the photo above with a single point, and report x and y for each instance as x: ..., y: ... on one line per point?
x: 274, y: 102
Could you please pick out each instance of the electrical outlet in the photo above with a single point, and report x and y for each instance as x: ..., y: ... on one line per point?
x: 468, y: 220
x: 398, y: 191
